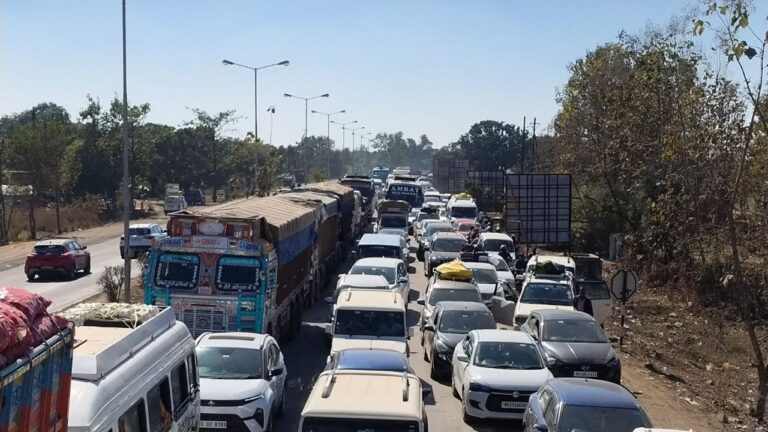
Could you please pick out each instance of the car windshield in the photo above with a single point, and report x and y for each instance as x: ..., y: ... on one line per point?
x: 446, y: 294
x: 353, y: 322
x: 448, y: 244
x: 431, y: 199
x: 508, y: 355
x: 600, y: 419
x: 547, y: 294
x: 139, y: 231
x: 436, y: 228
x: 389, y: 273
x: 393, y: 221
x: 494, y: 245
x: 374, y: 251
x: 500, y: 265
x: 50, y: 249
x: 465, y: 321
x: 229, y: 363
x: 464, y: 212
x: 571, y: 330
x: 427, y: 216
x: 485, y: 275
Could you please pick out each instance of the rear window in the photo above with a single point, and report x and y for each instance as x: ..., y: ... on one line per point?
x: 139, y: 231
x: 379, y: 251
x: 50, y: 250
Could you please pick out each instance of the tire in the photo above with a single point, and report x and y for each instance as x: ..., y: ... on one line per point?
x: 87, y: 269
x: 433, y: 373
x: 426, y: 357
x: 72, y: 272
x: 30, y: 276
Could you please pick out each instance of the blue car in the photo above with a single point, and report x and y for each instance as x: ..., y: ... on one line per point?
x: 577, y: 405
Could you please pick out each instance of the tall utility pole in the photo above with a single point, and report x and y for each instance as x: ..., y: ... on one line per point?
x: 126, y: 176
x: 328, y: 136
x: 343, y: 138
x: 522, y: 150
x: 534, y: 156
x: 353, y: 147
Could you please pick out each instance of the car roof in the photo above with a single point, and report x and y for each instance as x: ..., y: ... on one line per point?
x: 462, y: 306
x: 232, y: 340
x: 547, y: 281
x: 378, y: 262
x: 591, y: 392
x: 557, y: 259
x: 144, y: 225
x: 371, y: 359
x: 370, y: 299
x: 449, y: 234
x: 380, y: 240
x: 452, y: 284
x: 440, y: 225
x: 464, y: 203
x: 478, y: 265
x: 494, y: 236
x: 53, y: 242
x: 552, y: 314
x: 491, y: 335
x: 365, y: 281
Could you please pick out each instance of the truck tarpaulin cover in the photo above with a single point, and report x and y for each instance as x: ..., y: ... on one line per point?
x: 455, y: 270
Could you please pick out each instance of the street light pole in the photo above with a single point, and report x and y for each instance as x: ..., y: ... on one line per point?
x: 328, y: 136
x: 306, y: 130
x: 353, y: 147
x: 343, y: 138
x: 126, y: 175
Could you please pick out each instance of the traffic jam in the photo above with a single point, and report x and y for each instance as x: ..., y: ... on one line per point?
x: 422, y: 292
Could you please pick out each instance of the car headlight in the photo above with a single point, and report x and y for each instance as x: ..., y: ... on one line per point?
x: 477, y: 387
x: 440, y: 346
x: 253, y: 398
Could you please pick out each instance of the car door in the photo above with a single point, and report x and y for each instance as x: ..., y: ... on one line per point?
x: 79, y: 255
x: 468, y: 346
x: 600, y: 296
x: 429, y: 335
x: 270, y: 362
x: 503, y: 310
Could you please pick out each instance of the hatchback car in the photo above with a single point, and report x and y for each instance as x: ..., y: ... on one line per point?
x: 450, y: 322
x: 577, y: 404
x: 495, y: 372
x: 574, y: 344
x: 61, y: 256
x: 242, y: 381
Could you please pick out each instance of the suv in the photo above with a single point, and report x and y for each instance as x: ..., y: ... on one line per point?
x: 195, y: 197
x: 242, y: 381
x: 542, y: 294
x: 62, y: 256
x: 174, y: 203
x: 141, y: 236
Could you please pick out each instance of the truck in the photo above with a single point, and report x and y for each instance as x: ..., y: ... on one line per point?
x: 251, y: 264
x: 393, y: 214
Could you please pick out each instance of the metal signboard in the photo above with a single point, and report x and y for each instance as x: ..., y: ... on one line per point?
x: 448, y: 174
x: 539, y: 207
x: 487, y: 188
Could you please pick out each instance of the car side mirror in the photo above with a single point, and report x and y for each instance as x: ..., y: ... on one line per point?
x: 429, y: 327
x: 551, y: 361
x: 462, y: 358
x: 277, y: 371
x: 403, y: 279
x: 420, y: 301
x: 540, y: 427
x: 85, y: 247
x: 329, y: 328
x: 329, y: 300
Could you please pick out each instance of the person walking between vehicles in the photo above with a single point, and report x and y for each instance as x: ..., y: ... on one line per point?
x: 582, y: 304
x: 504, y: 254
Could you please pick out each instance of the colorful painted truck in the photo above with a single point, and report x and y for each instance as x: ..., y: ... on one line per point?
x: 249, y: 264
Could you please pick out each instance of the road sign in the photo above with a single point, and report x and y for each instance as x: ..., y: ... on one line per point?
x: 623, y: 284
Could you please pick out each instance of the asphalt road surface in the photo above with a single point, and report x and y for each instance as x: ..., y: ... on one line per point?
x: 62, y: 292
x: 306, y: 355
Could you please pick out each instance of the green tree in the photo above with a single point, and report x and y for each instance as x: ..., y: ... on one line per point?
x: 490, y: 145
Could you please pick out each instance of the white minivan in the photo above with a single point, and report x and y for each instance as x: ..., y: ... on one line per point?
x: 140, y: 379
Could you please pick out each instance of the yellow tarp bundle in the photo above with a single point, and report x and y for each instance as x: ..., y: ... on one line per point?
x: 462, y: 196
x: 454, y: 270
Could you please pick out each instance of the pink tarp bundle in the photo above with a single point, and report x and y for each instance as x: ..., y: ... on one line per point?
x: 24, y: 323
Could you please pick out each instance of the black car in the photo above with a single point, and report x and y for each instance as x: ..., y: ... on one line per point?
x: 577, y: 404
x: 447, y: 326
x: 574, y: 344
x: 445, y: 247
x: 426, y: 237
x: 195, y: 197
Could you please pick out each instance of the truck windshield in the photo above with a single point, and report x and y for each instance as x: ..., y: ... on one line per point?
x: 353, y: 322
x: 229, y: 363
x: 237, y: 274
x: 374, y: 251
x: 393, y: 221
x: 336, y: 424
x: 177, y: 271
x: 464, y: 212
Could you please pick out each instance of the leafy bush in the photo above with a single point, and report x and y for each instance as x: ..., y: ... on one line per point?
x: 111, y: 282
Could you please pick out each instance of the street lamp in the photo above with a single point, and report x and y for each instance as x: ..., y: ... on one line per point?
x: 126, y: 176
x: 306, y: 118
x: 330, y: 148
x: 353, y: 146
x: 255, y: 88
x: 343, y: 137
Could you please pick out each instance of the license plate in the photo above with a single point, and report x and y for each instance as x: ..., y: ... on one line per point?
x: 213, y: 424
x: 585, y: 374
x: 513, y: 405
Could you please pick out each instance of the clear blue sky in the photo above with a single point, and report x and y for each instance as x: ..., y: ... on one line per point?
x: 433, y: 67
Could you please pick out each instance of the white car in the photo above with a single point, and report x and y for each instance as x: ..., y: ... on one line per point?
x: 242, y: 381
x: 542, y: 294
x: 486, y: 278
x: 392, y: 269
x: 502, y: 269
x: 495, y: 372
x: 492, y: 242
x: 174, y: 203
x: 141, y: 236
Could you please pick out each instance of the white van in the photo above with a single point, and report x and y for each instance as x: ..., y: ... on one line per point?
x: 141, y: 379
x: 174, y: 203
x: 364, y: 400
x: 366, y: 318
x: 459, y: 207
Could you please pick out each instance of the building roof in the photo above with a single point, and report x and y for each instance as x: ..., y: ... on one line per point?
x: 365, y: 394
x: 513, y: 336
x: 370, y: 300
x: 591, y: 392
x: 232, y: 340
x: 380, y: 240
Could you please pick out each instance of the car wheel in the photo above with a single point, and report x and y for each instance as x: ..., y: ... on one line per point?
x: 30, y: 276
x: 426, y: 357
x: 72, y: 272
x: 281, y: 408
x: 433, y: 373
x: 88, y: 267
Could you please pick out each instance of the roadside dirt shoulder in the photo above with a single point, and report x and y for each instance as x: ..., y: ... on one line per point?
x: 14, y: 254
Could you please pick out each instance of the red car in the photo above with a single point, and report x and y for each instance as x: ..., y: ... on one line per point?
x: 62, y: 256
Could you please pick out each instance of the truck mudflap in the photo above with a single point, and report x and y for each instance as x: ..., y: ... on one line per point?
x: 35, y: 389
x: 217, y: 314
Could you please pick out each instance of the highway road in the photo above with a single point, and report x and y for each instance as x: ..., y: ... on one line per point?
x: 306, y: 355
x: 63, y: 292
